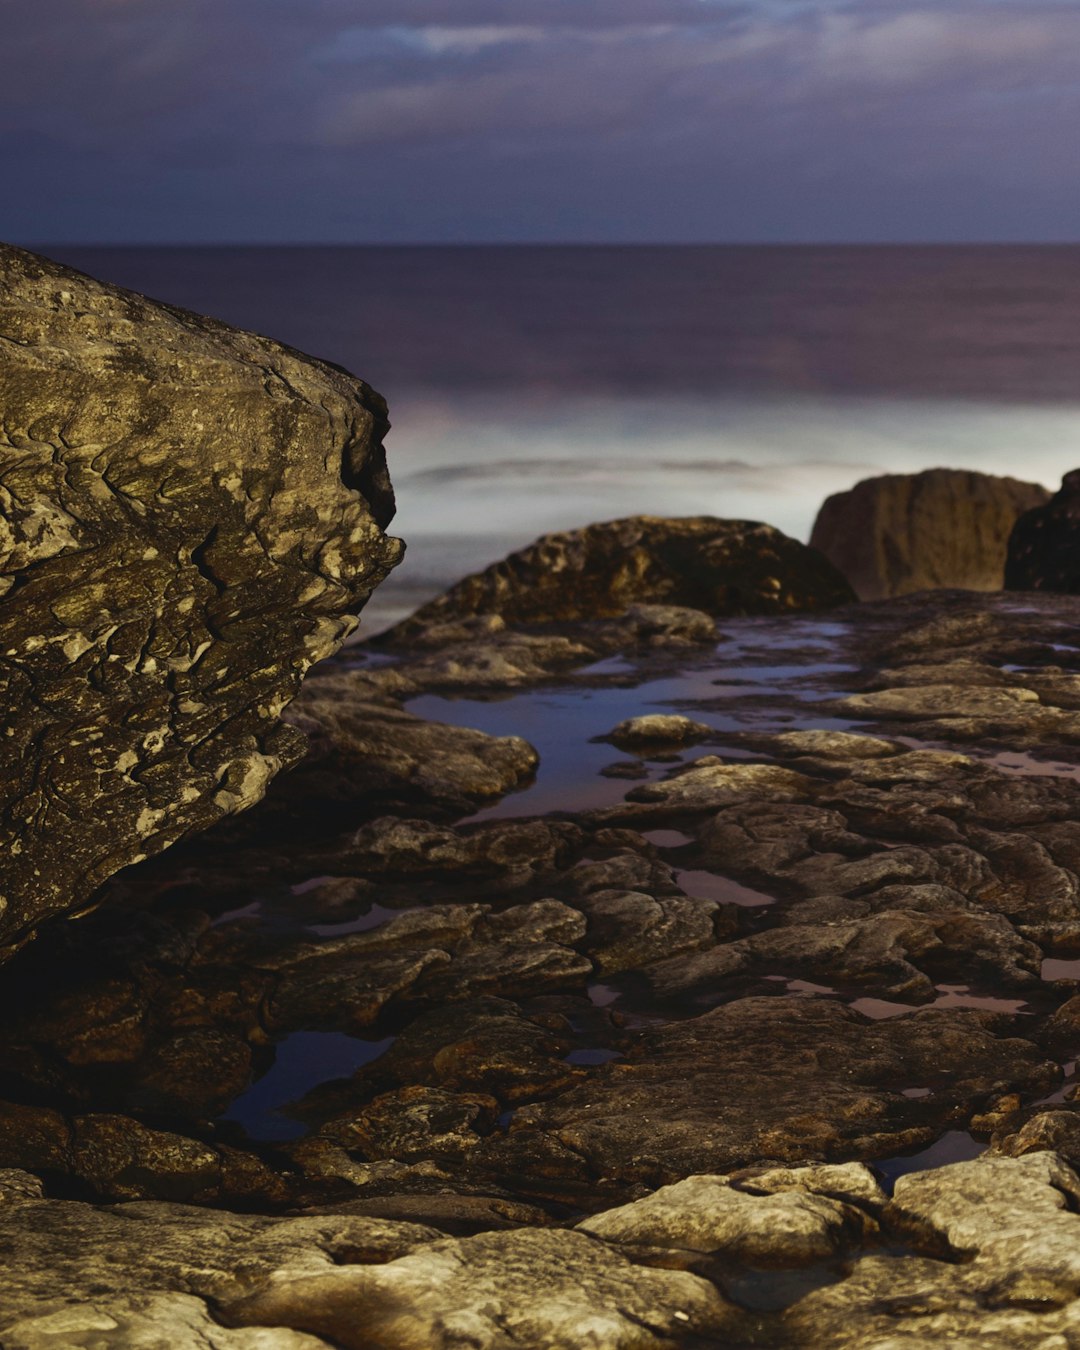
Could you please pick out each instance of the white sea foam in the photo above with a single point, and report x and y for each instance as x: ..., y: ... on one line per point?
x: 480, y: 476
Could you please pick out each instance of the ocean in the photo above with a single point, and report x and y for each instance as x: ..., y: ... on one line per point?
x: 540, y: 388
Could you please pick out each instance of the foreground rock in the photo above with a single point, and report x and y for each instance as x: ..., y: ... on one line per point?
x: 834, y: 922
x: 1044, y: 548
x: 190, y: 517
x: 912, y: 532
x: 980, y: 1253
x: 719, y: 566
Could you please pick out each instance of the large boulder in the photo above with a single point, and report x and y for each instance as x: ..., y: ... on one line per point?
x: 190, y: 516
x: 723, y: 567
x: 1044, y: 548
x: 906, y: 532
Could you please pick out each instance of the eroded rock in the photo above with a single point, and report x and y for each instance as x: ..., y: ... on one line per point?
x: 900, y: 533
x: 191, y: 516
x: 715, y: 566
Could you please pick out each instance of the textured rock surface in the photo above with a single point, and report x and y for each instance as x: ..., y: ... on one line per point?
x: 1044, y: 548
x: 718, y: 566
x: 189, y: 517
x: 981, y: 1253
x: 841, y: 927
x: 911, y: 532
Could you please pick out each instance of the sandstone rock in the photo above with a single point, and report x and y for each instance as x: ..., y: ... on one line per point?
x: 658, y: 729
x: 832, y: 745
x: 762, y: 1078
x: 710, y: 1214
x: 539, y: 1289
x: 191, y: 516
x: 363, y: 753
x: 901, y: 533
x: 1004, y: 1275
x: 718, y: 566
x: 153, y: 1276
x: 709, y: 783
x: 1044, y: 547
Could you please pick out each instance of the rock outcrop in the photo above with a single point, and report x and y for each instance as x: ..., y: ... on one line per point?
x: 721, y: 567
x: 190, y: 516
x: 902, y: 533
x: 1044, y: 547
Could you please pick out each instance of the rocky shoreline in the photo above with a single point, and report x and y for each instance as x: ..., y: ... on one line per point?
x: 818, y: 938
x: 653, y: 947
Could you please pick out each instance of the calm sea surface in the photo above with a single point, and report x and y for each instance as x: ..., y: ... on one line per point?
x: 533, y: 389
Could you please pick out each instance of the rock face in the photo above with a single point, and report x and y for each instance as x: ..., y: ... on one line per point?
x: 1044, y: 548
x: 912, y: 532
x: 190, y: 516
x: 718, y: 566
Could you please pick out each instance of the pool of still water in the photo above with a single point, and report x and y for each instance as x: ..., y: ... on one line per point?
x: 745, y: 685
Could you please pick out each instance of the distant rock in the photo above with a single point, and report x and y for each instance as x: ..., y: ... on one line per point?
x: 697, y: 562
x: 1044, y: 548
x: 922, y: 531
x: 190, y: 516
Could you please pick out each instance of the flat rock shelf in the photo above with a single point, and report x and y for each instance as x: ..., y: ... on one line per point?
x: 509, y: 1019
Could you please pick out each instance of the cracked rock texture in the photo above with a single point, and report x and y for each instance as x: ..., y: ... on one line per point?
x: 718, y: 566
x: 190, y: 516
x: 905, y: 532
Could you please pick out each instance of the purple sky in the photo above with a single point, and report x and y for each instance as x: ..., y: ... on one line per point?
x: 563, y: 120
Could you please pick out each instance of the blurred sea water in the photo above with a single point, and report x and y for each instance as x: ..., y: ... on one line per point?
x: 540, y: 388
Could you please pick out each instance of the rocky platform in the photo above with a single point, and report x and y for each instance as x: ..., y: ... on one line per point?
x: 640, y: 981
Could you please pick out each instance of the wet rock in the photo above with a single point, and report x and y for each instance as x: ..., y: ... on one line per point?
x: 511, y: 851
x: 192, y: 516
x: 790, y: 1080
x: 628, y: 928
x: 515, y: 968
x: 123, y: 1160
x: 632, y: 769
x: 194, y: 1073
x: 365, y: 753
x: 709, y: 784
x: 898, y: 952
x: 117, y: 1158
x: 484, y: 1045
x: 934, y: 701
x: 451, y: 1212
x: 718, y: 566
x: 535, y: 1288
x: 1043, y: 553
x: 508, y: 661
x: 900, y: 533
x: 660, y: 626
x: 843, y: 746
x: 346, y: 989
x: 658, y: 729
x: 623, y: 871
x: 1047, y: 1131
x: 414, y: 1123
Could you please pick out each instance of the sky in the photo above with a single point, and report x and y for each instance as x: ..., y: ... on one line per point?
x: 416, y: 121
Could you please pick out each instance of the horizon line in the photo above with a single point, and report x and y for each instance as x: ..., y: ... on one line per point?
x: 550, y: 243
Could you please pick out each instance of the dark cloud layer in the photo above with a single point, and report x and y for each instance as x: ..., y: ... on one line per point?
x: 539, y: 119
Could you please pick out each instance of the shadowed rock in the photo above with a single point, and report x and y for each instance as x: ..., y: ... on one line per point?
x: 190, y: 516
x: 718, y: 566
x: 1044, y: 548
x: 920, y: 531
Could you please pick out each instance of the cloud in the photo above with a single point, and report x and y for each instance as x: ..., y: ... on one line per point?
x: 547, y: 109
